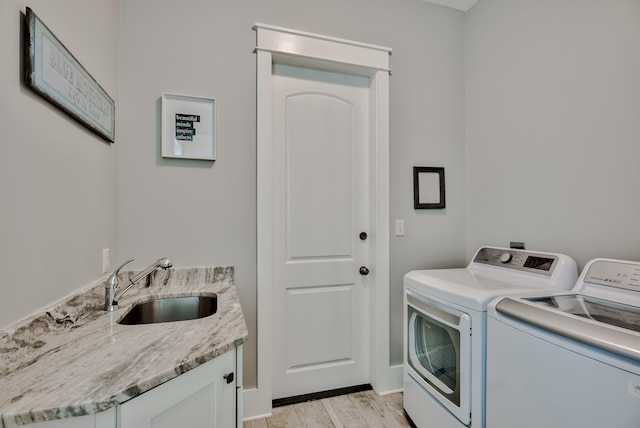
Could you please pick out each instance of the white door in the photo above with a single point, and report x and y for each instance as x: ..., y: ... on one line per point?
x: 321, y: 301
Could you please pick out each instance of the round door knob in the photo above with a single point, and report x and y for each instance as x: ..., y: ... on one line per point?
x: 363, y: 236
x: 506, y: 257
x: 364, y: 270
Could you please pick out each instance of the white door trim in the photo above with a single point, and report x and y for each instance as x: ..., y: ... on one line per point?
x: 275, y: 44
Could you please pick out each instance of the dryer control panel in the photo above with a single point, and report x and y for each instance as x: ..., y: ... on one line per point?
x: 509, y: 258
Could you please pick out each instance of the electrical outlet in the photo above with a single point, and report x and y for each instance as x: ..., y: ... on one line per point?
x: 106, y: 264
x: 399, y: 227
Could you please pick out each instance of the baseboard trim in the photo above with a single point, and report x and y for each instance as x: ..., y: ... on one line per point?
x: 320, y: 395
x: 251, y: 407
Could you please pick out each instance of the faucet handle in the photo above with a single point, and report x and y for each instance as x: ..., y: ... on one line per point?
x: 113, y: 279
x: 110, y: 288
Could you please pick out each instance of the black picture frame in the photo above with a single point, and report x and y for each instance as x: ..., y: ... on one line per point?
x: 428, y: 188
x: 56, y: 75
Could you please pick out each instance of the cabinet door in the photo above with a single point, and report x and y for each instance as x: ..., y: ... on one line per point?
x: 199, y: 398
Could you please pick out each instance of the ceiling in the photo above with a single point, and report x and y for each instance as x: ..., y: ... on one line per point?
x: 462, y: 5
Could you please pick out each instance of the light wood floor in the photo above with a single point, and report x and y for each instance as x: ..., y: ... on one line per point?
x: 358, y: 410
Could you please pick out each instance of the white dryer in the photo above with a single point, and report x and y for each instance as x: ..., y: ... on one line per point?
x: 445, y: 324
x: 568, y: 359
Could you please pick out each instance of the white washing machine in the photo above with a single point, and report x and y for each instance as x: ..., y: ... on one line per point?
x: 568, y: 359
x: 445, y: 325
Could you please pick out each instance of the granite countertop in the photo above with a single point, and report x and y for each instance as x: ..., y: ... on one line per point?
x: 75, y: 359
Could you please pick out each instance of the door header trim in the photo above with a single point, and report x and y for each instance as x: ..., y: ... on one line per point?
x: 285, y: 41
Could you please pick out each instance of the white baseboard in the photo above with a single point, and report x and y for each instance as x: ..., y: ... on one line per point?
x: 251, y: 406
x: 395, y: 380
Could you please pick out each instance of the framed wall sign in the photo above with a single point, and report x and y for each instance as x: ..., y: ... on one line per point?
x: 55, y: 74
x: 428, y: 187
x: 188, y: 127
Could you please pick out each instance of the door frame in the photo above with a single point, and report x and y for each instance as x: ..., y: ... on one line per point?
x: 292, y: 47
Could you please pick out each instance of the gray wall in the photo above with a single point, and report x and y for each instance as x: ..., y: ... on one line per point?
x: 550, y: 130
x: 57, y: 180
x: 202, y: 213
x: 552, y: 104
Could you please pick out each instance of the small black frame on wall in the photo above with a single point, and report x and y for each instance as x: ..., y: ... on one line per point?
x: 428, y: 187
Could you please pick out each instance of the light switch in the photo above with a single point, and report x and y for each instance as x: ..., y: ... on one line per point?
x: 399, y: 227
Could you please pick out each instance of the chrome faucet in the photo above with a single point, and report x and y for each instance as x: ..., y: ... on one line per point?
x: 112, y: 292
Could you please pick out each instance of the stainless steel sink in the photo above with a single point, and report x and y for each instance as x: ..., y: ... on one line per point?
x: 169, y: 309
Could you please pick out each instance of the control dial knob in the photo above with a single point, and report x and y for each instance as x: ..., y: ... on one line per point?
x: 506, y: 257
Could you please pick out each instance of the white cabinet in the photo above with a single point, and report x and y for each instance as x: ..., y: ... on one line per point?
x: 209, y: 396
x: 204, y: 397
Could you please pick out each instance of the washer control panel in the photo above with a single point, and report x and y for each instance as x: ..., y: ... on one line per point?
x: 510, y: 258
x: 614, y: 273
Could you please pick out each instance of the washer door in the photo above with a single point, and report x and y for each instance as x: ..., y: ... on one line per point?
x: 438, y: 353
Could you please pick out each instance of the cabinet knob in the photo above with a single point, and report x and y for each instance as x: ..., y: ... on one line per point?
x: 364, y: 270
x: 228, y: 377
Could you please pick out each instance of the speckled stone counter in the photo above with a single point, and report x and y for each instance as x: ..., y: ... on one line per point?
x: 75, y: 359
